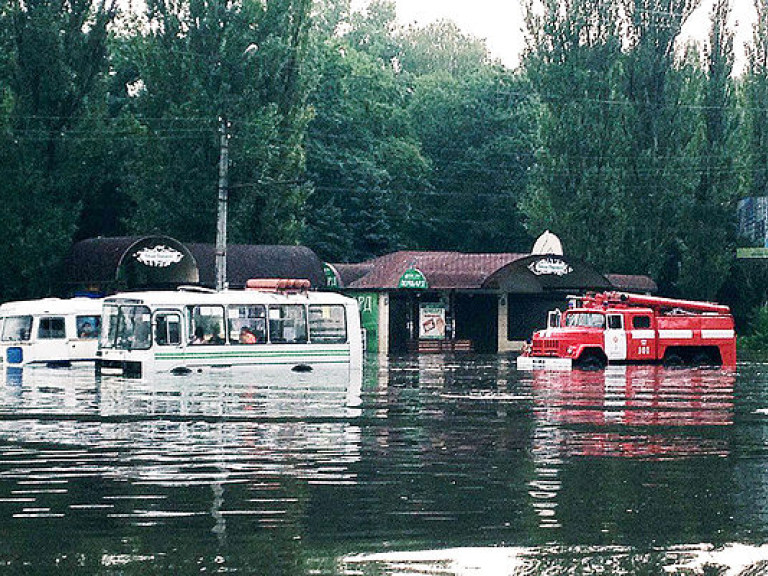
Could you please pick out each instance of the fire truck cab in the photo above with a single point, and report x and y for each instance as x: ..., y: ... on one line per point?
x: 617, y: 327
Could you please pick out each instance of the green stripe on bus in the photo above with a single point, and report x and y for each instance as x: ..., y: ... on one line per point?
x: 248, y: 354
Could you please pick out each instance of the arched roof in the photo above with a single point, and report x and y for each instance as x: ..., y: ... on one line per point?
x: 132, y: 262
x: 104, y: 261
x: 540, y: 273
x: 246, y: 261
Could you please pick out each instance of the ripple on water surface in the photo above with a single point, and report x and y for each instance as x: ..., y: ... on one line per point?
x: 436, y: 465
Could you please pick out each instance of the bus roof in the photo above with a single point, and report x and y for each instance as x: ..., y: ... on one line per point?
x: 196, y: 297
x: 45, y: 306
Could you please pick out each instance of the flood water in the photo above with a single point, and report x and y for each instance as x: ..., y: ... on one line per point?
x: 433, y: 465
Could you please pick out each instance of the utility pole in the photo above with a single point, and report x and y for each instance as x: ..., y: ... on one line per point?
x: 221, y: 221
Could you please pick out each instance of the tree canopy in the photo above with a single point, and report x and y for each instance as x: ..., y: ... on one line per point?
x: 356, y: 135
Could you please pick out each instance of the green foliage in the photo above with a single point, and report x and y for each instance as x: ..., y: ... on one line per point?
x: 54, y: 56
x: 574, y: 63
x: 635, y: 146
x: 418, y: 141
x: 475, y: 130
x: 358, y: 136
x: 757, y: 340
x: 361, y: 157
x: 199, y: 62
x: 441, y: 48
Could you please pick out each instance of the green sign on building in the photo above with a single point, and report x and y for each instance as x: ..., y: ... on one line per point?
x: 369, y: 318
x: 413, y: 278
x: 331, y: 276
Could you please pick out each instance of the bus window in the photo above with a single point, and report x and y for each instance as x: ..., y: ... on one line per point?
x: 287, y: 324
x: 206, y: 324
x: 327, y: 324
x: 168, y: 329
x: 247, y: 324
x: 51, y: 328
x: 88, y: 327
x: 17, y: 328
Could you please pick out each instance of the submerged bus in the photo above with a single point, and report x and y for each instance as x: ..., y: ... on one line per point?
x: 50, y: 331
x: 270, y: 323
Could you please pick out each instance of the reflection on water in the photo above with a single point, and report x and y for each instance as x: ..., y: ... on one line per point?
x: 703, y: 559
x: 430, y: 465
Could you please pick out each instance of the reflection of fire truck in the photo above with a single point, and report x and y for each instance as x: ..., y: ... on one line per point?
x: 615, y: 327
x: 643, y: 412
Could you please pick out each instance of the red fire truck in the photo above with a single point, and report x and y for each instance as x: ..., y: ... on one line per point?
x: 616, y: 327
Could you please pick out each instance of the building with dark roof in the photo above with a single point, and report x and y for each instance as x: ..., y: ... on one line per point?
x: 448, y: 301
x: 409, y: 300
x: 109, y: 265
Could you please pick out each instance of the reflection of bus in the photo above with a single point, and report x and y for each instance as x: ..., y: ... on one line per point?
x: 50, y: 331
x: 269, y: 323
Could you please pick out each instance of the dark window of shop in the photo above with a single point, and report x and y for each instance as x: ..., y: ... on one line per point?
x: 528, y: 313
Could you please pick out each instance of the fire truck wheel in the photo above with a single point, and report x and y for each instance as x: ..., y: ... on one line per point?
x: 673, y: 360
x: 702, y: 359
x: 591, y: 362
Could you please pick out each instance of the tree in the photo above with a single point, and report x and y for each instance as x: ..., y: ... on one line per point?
x: 475, y: 131
x: 51, y: 132
x: 441, y: 48
x: 362, y: 157
x: 708, y: 219
x: 660, y: 126
x: 756, y: 105
x: 199, y: 62
x: 574, y: 63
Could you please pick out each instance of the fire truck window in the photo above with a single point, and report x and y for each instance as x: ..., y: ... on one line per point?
x: 585, y: 319
x: 615, y: 323
x: 641, y: 322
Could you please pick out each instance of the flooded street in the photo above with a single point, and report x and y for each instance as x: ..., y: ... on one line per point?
x: 432, y: 465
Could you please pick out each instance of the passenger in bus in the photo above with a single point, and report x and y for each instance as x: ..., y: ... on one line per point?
x: 216, y: 337
x: 86, y: 330
x: 246, y: 336
x: 199, y: 337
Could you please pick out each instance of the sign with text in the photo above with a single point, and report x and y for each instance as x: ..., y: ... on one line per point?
x: 331, y: 276
x: 752, y: 253
x: 550, y: 266
x: 369, y: 318
x: 159, y: 256
x: 413, y: 278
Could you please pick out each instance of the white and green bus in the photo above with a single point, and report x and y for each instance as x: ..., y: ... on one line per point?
x: 279, y: 324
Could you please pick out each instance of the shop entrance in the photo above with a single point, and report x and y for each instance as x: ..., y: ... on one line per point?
x: 477, y: 320
x: 528, y: 312
x: 400, y: 322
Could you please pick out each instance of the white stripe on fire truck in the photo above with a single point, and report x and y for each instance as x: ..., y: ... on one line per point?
x: 643, y: 334
x: 717, y: 334
x: 676, y: 334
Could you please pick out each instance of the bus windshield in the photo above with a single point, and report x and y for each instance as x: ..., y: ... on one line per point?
x: 17, y: 328
x: 126, y: 327
x: 585, y: 319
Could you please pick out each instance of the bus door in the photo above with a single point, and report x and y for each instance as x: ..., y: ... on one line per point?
x: 168, y: 331
x: 51, y: 335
